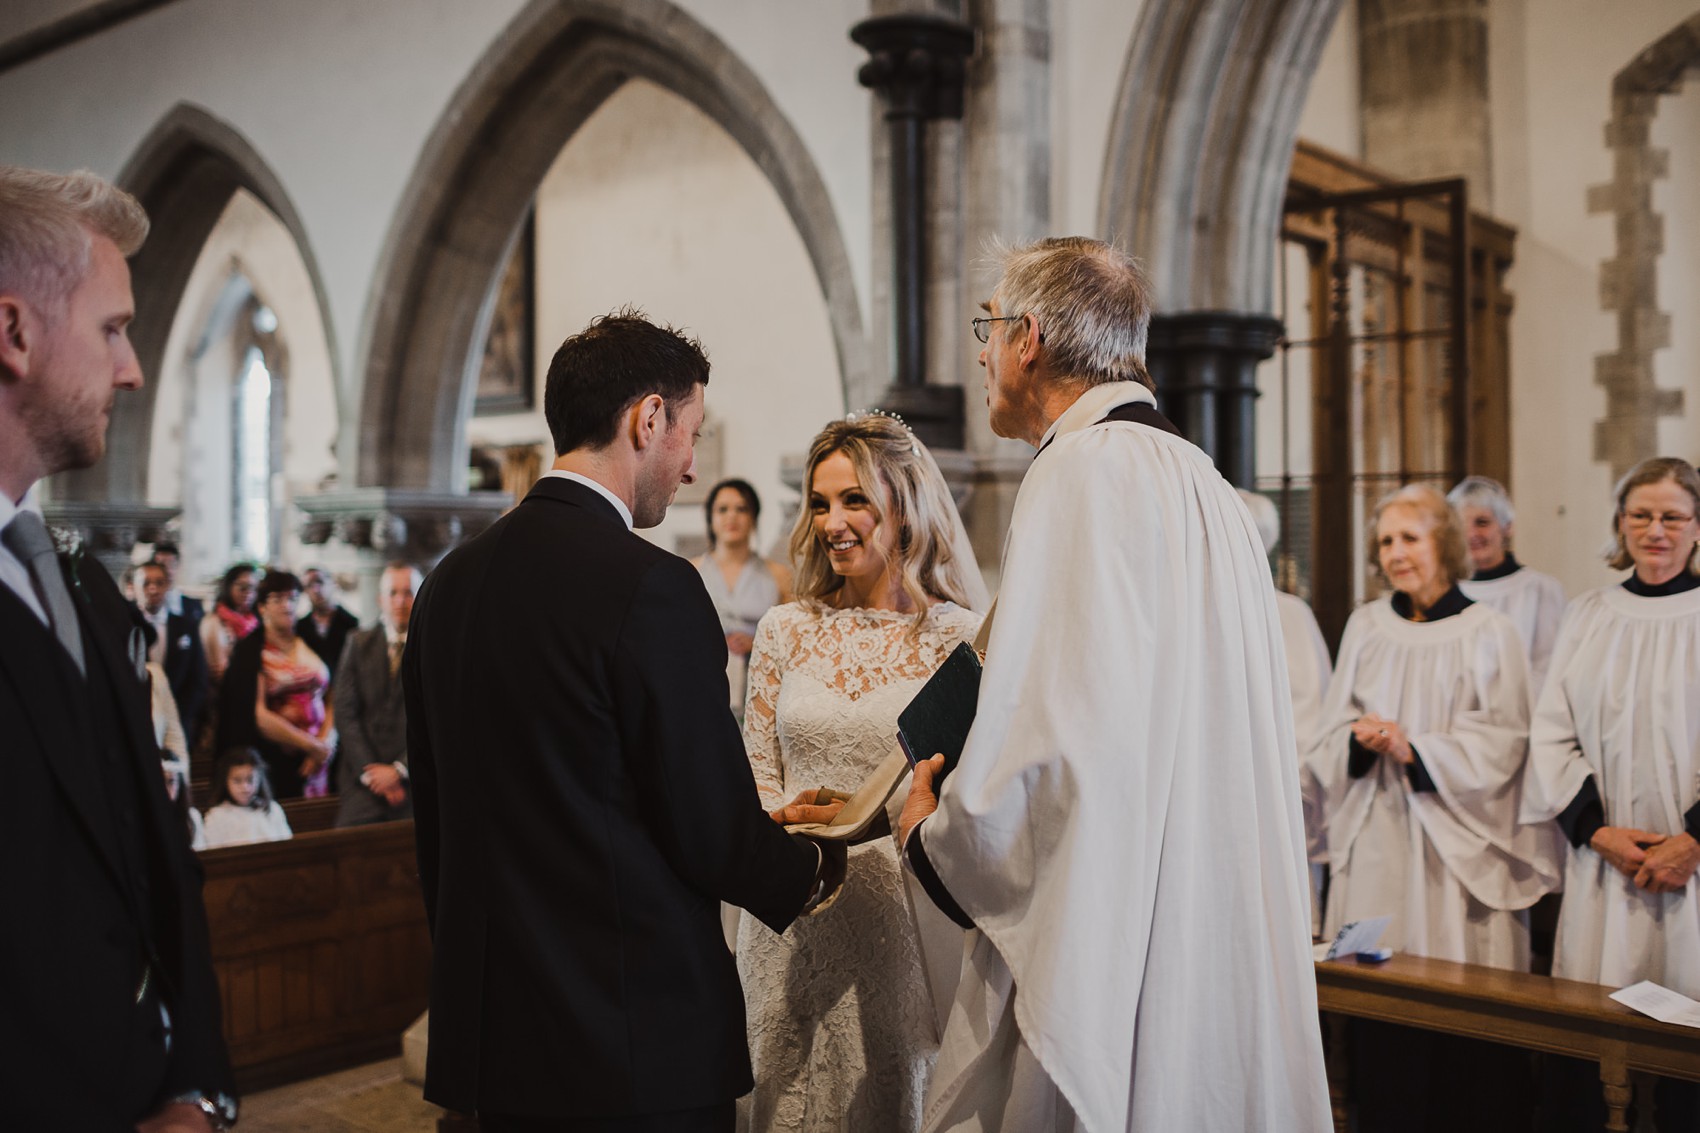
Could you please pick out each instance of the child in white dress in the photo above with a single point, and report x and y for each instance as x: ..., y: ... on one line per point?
x: 243, y: 809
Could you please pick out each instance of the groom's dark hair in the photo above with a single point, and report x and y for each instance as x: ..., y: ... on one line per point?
x: 603, y: 370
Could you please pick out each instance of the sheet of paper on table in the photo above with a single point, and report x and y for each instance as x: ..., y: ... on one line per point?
x: 1354, y: 937
x: 1661, y: 1003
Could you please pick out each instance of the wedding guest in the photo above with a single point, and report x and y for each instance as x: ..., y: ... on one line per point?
x: 231, y: 620
x: 325, y: 626
x: 274, y: 696
x: 176, y: 645
x: 243, y: 809
x: 168, y: 555
x: 1615, y: 758
x: 742, y: 584
x: 1533, y: 601
x: 371, y: 712
x: 842, y: 1028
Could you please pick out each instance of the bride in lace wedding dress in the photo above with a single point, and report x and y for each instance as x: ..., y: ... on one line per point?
x: 841, y: 1021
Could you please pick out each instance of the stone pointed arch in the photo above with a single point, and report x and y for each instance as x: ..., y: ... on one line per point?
x: 184, y: 173
x: 1201, y: 140
x: 542, y: 78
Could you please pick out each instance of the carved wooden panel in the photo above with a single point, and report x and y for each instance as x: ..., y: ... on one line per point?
x: 320, y: 948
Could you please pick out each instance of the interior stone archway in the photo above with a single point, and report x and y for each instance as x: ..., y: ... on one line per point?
x: 536, y: 85
x: 184, y: 173
x: 1201, y: 142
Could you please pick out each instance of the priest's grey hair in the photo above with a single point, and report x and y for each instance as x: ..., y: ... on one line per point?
x: 47, y: 225
x: 1486, y: 493
x: 1091, y: 300
x: 1448, y: 531
x: 1655, y: 470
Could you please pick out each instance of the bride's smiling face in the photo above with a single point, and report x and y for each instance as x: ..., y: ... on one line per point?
x: 847, y: 521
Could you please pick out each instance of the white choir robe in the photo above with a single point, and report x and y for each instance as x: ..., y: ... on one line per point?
x: 1535, y: 604
x: 1622, y: 705
x: 1308, y: 670
x: 1124, y: 826
x: 1452, y: 867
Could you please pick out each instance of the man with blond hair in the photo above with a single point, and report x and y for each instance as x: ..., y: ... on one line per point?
x: 1122, y: 833
x: 111, y: 1017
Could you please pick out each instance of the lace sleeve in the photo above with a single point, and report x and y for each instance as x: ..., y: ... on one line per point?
x: 761, y: 724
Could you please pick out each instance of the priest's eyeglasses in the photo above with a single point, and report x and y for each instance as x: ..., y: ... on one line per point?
x: 1641, y: 520
x: 983, y: 326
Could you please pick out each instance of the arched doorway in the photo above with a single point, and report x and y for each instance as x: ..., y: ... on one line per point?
x: 543, y: 78
x: 185, y: 173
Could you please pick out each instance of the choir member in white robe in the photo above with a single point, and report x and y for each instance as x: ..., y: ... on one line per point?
x: 1421, y: 766
x: 1533, y: 601
x: 1615, y: 755
x: 1422, y: 758
x: 1123, y: 832
x: 1308, y: 670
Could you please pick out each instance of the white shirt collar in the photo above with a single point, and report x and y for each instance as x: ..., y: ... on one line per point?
x: 8, y: 509
x: 1089, y: 408
x: 619, y: 504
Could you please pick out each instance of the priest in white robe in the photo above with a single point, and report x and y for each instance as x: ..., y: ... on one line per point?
x: 1123, y: 832
x: 1533, y: 601
x: 1615, y: 759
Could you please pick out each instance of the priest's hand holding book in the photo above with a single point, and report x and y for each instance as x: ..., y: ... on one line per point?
x: 923, y: 798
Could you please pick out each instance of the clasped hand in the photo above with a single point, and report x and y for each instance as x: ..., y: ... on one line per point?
x: 1658, y: 863
x: 1384, y: 737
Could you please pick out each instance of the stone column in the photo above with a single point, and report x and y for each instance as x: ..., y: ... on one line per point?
x: 1205, y: 367
x: 1423, y: 75
x: 382, y: 524
x: 108, y: 531
x: 916, y: 64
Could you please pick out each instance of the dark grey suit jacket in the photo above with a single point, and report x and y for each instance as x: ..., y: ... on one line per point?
x: 371, y: 724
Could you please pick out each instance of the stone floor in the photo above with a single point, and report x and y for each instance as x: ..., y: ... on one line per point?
x: 367, y: 1099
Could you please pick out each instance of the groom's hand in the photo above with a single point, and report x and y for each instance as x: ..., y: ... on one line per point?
x: 922, y: 800
x: 820, y: 805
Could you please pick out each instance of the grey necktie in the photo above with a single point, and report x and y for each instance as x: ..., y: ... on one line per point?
x: 27, y: 538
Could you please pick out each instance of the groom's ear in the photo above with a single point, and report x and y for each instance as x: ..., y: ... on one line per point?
x: 647, y: 421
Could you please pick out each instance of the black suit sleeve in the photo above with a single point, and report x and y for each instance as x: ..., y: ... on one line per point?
x: 421, y: 765
x: 687, y: 757
x: 199, y: 1059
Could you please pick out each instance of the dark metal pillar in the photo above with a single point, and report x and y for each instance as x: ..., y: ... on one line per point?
x: 916, y: 64
x: 1205, y: 367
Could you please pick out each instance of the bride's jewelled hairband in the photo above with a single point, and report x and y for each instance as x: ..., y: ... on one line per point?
x: 914, y: 442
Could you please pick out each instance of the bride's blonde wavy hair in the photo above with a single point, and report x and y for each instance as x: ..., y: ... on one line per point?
x: 908, y: 490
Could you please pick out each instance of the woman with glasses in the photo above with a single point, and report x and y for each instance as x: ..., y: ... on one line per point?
x: 1615, y: 755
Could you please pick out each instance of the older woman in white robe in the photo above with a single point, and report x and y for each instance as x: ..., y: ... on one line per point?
x: 1422, y: 756
x: 1615, y: 751
x: 1533, y: 601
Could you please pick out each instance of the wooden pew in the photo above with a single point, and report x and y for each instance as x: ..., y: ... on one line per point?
x: 320, y: 948
x: 1516, y: 1008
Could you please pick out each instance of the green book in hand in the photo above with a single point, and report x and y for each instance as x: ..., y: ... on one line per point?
x: 937, y: 720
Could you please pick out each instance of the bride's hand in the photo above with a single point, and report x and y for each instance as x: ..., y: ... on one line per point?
x: 820, y: 805
x: 922, y: 801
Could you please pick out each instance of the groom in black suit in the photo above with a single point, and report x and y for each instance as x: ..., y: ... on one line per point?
x: 583, y: 801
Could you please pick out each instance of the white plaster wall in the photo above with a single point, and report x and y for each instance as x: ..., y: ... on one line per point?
x: 338, y: 99
x: 1554, y: 61
x: 1677, y: 198
x: 1090, y: 41
x: 189, y: 459
x: 652, y: 203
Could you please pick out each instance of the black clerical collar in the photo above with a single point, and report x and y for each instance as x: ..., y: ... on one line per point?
x: 1681, y: 584
x: 1505, y: 569
x: 1452, y: 602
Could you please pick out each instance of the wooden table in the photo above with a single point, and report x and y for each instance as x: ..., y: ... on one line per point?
x: 1516, y: 1008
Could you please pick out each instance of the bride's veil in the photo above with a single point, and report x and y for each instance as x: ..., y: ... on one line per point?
x: 961, y: 548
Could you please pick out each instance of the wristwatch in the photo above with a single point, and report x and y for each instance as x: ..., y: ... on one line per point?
x: 218, y: 1109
